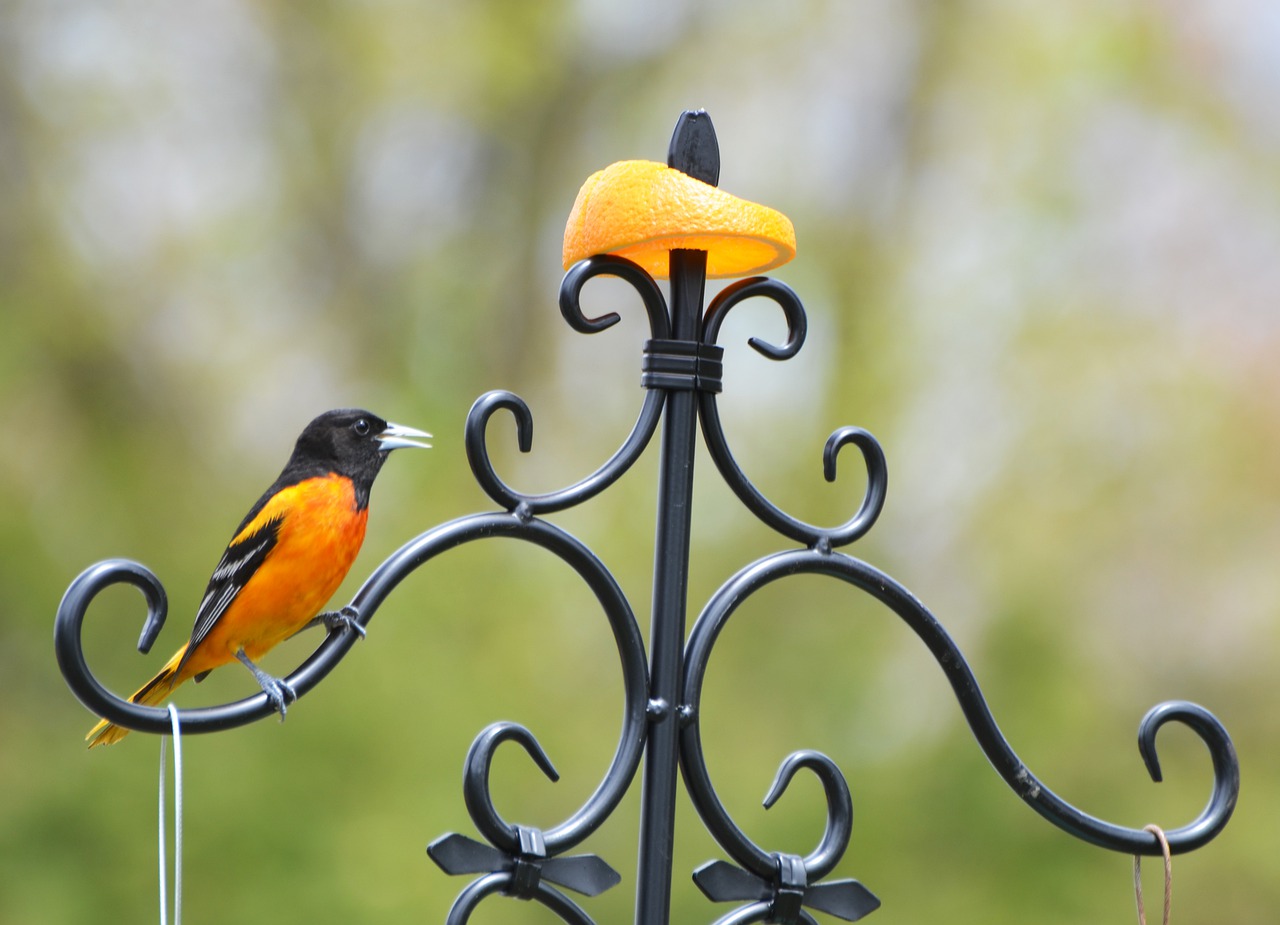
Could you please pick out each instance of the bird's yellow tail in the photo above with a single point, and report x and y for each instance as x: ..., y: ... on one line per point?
x: 149, y: 695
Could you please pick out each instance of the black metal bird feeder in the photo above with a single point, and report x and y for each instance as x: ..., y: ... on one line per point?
x: 681, y: 375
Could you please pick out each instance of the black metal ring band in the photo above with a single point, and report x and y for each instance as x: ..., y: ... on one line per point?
x: 682, y: 364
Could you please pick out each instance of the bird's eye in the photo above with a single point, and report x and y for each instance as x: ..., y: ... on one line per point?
x: 361, y: 427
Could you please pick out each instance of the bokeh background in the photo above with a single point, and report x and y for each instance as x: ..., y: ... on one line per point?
x: 1039, y: 245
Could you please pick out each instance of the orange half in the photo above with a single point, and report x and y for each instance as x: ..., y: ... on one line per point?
x: 642, y: 210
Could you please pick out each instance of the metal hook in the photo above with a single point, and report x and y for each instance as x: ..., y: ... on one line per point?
x: 69, y: 646
x: 877, y: 481
x: 609, y: 265
x: 762, y: 286
x: 835, y: 839
x: 475, y: 780
x: 534, y: 504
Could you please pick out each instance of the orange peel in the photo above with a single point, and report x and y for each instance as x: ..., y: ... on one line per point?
x: 643, y: 210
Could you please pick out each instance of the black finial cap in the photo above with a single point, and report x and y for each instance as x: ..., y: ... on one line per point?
x: 694, y: 149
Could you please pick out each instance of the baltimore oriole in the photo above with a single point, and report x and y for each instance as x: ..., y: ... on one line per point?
x: 287, y: 557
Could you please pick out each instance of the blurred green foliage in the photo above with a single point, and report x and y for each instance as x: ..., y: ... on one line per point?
x: 1038, y: 248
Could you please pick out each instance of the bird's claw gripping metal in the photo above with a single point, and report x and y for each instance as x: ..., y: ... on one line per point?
x: 280, y: 693
x: 348, y: 618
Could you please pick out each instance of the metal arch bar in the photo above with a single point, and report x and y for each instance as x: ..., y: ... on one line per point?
x: 626, y: 635
x: 1206, y: 826
x: 759, y: 912
x: 478, y: 889
x: 101, y: 701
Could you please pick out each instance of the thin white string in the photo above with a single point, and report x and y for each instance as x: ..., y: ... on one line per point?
x: 177, y: 824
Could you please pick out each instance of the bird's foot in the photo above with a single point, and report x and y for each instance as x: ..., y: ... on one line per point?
x: 348, y: 618
x: 280, y: 693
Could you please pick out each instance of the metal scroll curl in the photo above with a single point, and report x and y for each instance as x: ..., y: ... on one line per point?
x: 521, y: 860
x: 1212, y: 819
x: 718, y: 444
x: 646, y: 423
x: 778, y: 886
x: 69, y: 648
x: 99, y: 699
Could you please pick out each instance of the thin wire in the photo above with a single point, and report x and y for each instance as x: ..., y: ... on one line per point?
x: 1168, y: 875
x: 177, y: 824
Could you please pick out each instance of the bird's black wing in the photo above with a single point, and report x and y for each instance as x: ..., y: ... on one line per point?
x: 237, y: 566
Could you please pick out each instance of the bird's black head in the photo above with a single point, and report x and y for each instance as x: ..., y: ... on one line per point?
x: 350, y: 442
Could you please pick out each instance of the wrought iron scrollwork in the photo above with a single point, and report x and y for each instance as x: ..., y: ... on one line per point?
x: 519, y: 860
x: 718, y: 445
x: 681, y: 373
x: 522, y: 861
x: 650, y: 411
x: 69, y: 649
x: 871, y: 581
x: 777, y: 886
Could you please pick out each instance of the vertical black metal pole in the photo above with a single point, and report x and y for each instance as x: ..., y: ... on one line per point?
x: 670, y: 584
x: 695, y: 151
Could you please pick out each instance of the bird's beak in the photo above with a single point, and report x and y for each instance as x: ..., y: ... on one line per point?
x: 398, y: 437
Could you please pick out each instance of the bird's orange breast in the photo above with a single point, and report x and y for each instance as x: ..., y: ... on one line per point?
x: 321, y: 531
